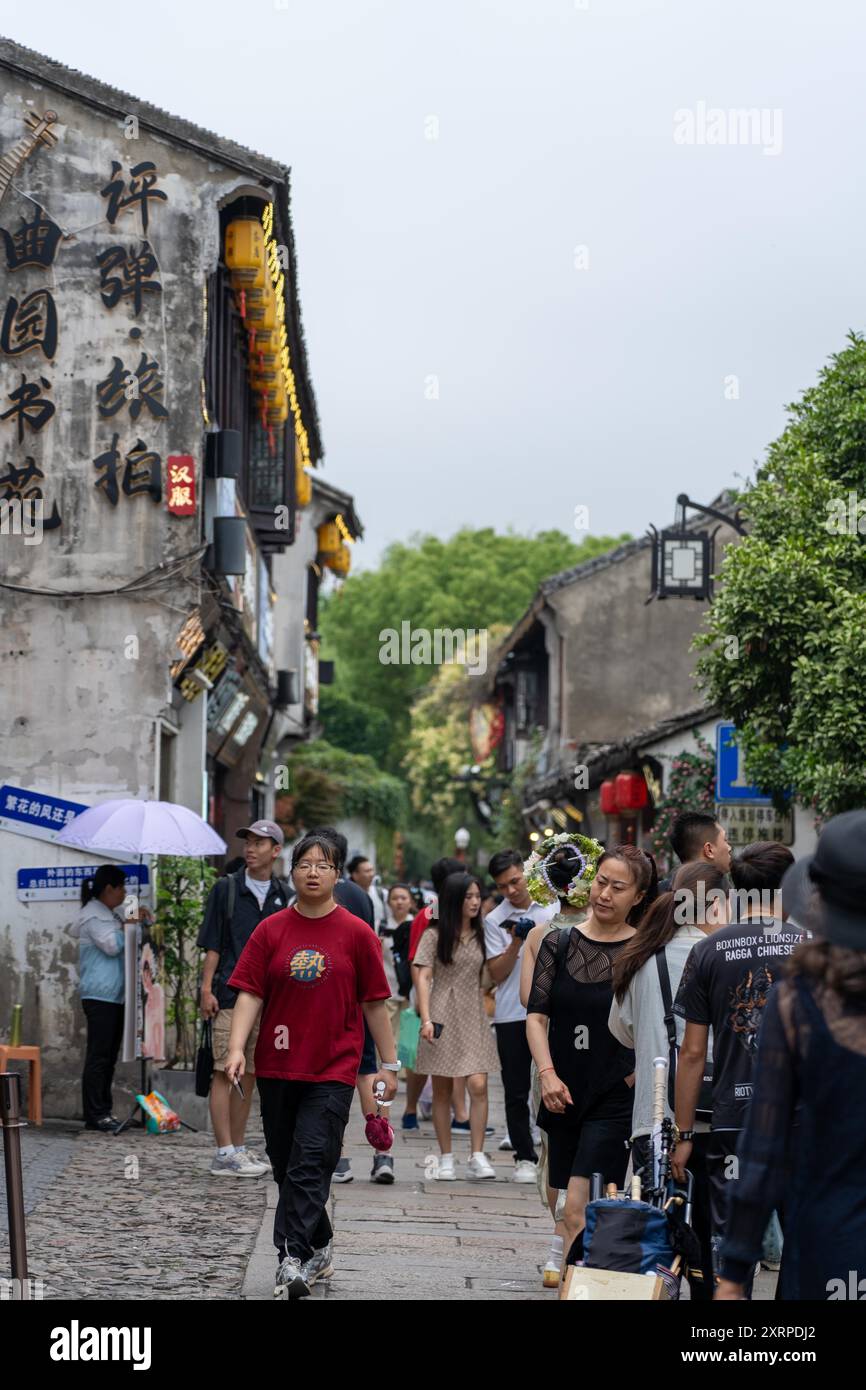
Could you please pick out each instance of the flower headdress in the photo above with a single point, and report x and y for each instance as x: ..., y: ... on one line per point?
x: 541, y: 890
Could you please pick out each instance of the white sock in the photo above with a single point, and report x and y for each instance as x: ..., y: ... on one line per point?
x: 240, y: 1148
x: 226, y: 1150
x: 556, y: 1250
x: 480, y: 1154
x: 444, y: 1156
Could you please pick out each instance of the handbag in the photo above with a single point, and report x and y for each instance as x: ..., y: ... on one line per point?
x: 410, y: 1029
x: 204, y: 1059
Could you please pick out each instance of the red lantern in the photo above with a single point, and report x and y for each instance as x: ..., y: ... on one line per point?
x: 608, y: 797
x: 631, y: 792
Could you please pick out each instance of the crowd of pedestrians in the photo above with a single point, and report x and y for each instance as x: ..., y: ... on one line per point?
x: 570, y: 974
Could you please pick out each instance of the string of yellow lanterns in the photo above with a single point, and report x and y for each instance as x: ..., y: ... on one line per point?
x: 253, y: 261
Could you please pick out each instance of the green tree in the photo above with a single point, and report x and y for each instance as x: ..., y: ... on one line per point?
x: 784, y: 651
x: 471, y: 581
x: 183, y: 885
x: 348, y: 724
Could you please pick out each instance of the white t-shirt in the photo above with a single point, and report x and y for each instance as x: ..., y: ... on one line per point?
x: 497, y: 940
x: 260, y: 887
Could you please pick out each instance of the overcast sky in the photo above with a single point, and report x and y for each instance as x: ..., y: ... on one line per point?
x: 611, y: 308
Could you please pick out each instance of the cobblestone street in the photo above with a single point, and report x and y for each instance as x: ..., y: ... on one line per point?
x: 139, y: 1217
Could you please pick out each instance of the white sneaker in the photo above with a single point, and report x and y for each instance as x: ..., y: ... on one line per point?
x: 505, y: 1146
x: 480, y: 1168
x: 445, y: 1171
x: 232, y: 1166
x: 253, y: 1162
x: 525, y: 1171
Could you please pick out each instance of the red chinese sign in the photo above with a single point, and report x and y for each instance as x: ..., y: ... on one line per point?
x: 181, y: 484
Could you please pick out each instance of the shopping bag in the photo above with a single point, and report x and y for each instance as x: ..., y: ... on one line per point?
x: 204, y: 1060
x: 410, y: 1027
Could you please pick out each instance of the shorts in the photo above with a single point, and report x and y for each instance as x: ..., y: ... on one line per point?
x: 597, y: 1143
x: 222, y: 1027
x: 369, y: 1065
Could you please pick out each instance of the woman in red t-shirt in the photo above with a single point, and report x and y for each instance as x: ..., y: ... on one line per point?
x: 314, y: 973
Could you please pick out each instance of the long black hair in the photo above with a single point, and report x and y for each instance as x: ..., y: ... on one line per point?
x: 662, y: 920
x: 452, y: 896
x: 106, y: 876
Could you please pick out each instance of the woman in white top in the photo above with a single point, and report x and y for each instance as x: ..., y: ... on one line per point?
x: 673, y: 924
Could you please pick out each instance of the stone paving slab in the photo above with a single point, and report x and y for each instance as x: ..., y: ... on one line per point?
x: 408, y: 1241
x: 138, y: 1216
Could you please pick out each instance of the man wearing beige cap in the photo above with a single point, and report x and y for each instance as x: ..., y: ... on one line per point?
x: 236, y: 905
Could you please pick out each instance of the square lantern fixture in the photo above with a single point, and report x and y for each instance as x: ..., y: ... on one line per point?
x: 682, y: 564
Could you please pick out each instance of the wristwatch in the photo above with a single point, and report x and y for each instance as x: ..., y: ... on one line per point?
x: 391, y: 1066
x: 685, y: 1136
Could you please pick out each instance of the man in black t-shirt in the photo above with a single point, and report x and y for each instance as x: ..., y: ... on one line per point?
x: 724, y: 986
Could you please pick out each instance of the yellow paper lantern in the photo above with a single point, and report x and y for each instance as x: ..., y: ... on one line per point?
x: 340, y: 561
x: 303, y: 487
x: 328, y: 537
x: 245, y: 253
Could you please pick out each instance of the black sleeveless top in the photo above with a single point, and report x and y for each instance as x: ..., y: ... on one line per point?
x: 573, y: 985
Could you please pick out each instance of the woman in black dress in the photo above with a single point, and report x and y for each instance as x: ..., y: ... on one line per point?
x: 587, y: 1077
x: 803, y: 1149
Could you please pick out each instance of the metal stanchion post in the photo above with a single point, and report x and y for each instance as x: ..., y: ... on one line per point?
x: 12, y: 1123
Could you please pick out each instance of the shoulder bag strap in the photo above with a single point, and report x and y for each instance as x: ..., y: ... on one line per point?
x: 670, y: 1022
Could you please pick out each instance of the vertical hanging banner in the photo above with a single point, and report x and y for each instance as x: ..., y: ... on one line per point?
x: 181, y: 484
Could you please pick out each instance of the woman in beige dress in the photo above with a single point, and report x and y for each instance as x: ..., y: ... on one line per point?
x: 456, y: 1038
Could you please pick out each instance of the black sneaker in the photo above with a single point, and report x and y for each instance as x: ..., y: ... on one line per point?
x: 383, y: 1169
x: 107, y: 1125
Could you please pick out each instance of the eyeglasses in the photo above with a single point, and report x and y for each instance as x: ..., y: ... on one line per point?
x: 308, y: 866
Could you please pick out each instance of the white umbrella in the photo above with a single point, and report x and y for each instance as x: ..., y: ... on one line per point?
x: 141, y: 827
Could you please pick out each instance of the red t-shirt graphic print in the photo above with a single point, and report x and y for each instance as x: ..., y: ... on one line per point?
x: 313, y: 974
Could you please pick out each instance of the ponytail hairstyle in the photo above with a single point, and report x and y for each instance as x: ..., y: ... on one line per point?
x: 643, y: 870
x: 106, y: 876
x: 452, y: 895
x: 662, y: 920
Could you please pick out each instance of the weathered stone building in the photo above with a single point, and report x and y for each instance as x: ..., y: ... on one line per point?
x: 155, y: 398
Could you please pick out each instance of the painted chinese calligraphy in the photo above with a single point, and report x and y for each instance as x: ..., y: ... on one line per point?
x: 144, y: 386
x: 142, y: 183
x: 32, y: 323
x: 141, y: 474
x: 29, y: 406
x: 35, y: 243
x: 134, y: 278
x: 22, y: 485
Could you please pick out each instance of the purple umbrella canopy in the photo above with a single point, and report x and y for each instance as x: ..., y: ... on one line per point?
x: 141, y: 827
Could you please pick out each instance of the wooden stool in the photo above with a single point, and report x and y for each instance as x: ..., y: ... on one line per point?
x: 34, y: 1090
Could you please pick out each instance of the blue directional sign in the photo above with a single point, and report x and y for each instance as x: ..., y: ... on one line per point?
x: 731, y: 784
x: 63, y: 881
x: 35, y: 814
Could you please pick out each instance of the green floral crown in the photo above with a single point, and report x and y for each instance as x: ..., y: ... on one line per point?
x: 535, y: 870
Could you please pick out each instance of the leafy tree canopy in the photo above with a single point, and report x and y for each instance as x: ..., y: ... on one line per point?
x: 784, y: 652
x: 471, y: 581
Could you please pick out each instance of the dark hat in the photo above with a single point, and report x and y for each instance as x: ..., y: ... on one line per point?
x: 826, y: 891
x: 267, y: 829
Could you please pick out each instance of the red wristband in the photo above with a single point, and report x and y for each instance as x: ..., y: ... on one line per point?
x: 544, y: 1069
